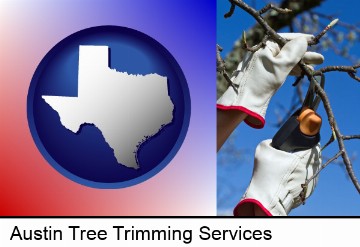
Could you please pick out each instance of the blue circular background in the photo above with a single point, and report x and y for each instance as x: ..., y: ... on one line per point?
x: 85, y: 157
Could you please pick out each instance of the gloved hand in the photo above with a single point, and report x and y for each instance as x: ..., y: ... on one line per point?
x: 259, y: 75
x: 277, y: 177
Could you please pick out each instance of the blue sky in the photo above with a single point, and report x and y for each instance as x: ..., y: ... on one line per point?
x: 335, y: 194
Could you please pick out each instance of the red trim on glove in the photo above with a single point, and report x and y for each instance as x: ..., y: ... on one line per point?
x: 247, y: 111
x: 254, y: 201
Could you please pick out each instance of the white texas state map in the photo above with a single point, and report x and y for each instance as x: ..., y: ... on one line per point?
x: 126, y: 108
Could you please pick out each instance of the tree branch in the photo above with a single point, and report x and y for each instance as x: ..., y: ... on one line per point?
x: 256, y: 33
x: 260, y: 20
x: 272, y: 6
x: 339, y: 136
x: 351, y: 70
x: 323, y: 32
x: 350, y: 137
x: 305, y: 185
x: 220, y: 67
x: 336, y: 68
x: 231, y: 11
x: 337, y: 155
x: 262, y: 44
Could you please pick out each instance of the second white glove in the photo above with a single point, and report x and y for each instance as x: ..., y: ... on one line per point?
x: 277, y: 177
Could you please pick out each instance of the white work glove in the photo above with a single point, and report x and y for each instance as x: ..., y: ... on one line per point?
x: 277, y: 177
x: 259, y: 75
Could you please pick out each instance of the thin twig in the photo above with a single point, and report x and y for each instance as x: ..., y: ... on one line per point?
x: 298, y: 80
x: 337, y: 155
x: 317, y: 38
x: 231, y: 11
x: 350, y: 137
x: 220, y: 63
x: 355, y: 77
x: 254, y: 48
x: 351, y: 70
x: 221, y: 67
x: 340, y: 23
x: 277, y: 38
x: 272, y: 6
x: 307, y: 181
x: 331, y: 140
x: 336, y: 68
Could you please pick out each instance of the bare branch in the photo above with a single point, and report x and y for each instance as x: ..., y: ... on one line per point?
x: 220, y: 67
x: 231, y: 11
x: 272, y: 6
x: 351, y: 70
x: 350, y: 137
x: 280, y: 40
x: 337, y: 155
x: 340, y: 23
x: 256, y: 33
x: 262, y: 44
x: 317, y: 38
x: 331, y: 140
x: 345, y: 138
x: 220, y: 64
x: 355, y: 77
x: 298, y: 80
x: 336, y: 68
x: 305, y: 185
x: 338, y: 134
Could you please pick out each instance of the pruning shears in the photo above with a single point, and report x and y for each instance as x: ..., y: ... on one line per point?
x: 312, y: 100
x: 301, y: 129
